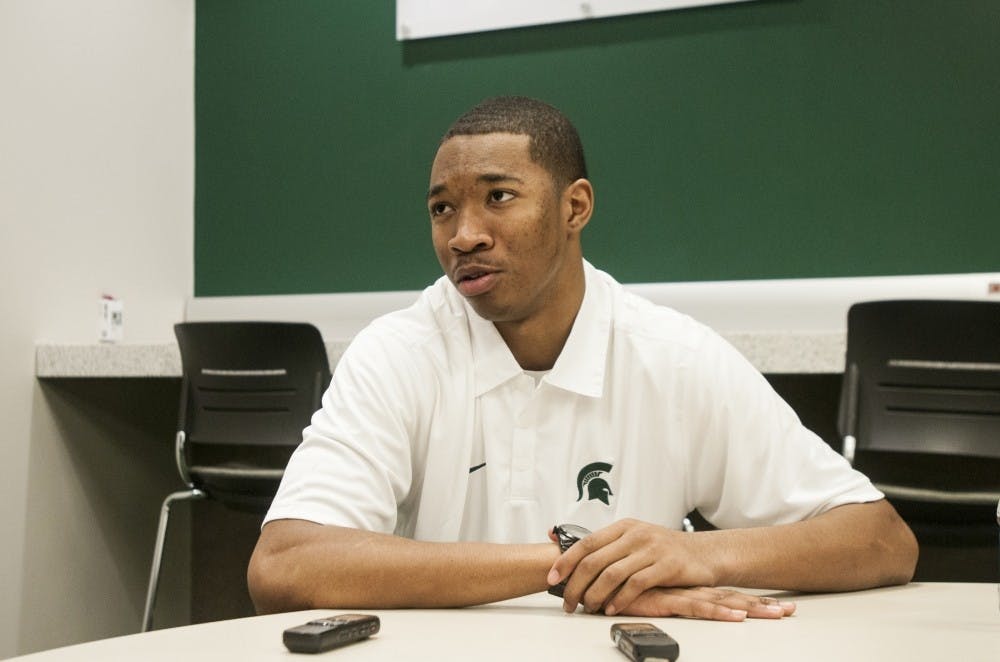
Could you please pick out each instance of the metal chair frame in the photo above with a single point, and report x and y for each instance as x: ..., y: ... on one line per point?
x: 248, y: 388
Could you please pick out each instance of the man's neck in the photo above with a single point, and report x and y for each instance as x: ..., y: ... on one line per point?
x: 537, y: 342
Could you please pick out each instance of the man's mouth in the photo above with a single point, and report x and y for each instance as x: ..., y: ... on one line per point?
x: 473, y: 282
x: 472, y: 276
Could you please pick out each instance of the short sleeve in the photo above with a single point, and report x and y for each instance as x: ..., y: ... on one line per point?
x: 353, y: 467
x: 755, y: 463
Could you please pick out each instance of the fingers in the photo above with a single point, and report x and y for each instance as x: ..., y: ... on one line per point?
x: 634, y: 568
x: 636, y: 585
x: 766, y: 607
x: 620, y: 561
x: 755, y: 606
x: 707, y: 603
x: 622, y: 580
x: 566, y: 564
x: 601, y: 572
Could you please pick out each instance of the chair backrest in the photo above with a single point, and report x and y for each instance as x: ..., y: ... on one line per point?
x: 923, y: 376
x: 250, y: 383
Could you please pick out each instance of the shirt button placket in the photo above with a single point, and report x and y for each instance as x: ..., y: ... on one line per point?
x: 522, y: 465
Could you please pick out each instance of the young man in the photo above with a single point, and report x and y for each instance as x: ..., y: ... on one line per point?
x: 526, y: 389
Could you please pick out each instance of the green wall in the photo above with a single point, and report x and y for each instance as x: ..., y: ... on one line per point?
x: 768, y: 139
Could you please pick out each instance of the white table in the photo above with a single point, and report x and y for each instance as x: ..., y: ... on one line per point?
x: 914, y: 623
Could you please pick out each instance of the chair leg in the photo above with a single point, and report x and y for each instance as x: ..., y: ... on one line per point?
x: 161, y: 535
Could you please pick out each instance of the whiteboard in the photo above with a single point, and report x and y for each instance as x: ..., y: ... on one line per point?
x: 419, y: 19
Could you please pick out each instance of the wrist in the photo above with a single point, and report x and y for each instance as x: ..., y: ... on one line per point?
x: 719, y: 557
x: 543, y: 555
x: 565, y: 535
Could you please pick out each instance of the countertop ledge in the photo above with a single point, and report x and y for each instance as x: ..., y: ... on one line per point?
x: 773, y: 353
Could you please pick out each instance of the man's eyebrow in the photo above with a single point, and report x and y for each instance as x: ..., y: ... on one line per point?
x: 488, y: 178
x: 494, y: 177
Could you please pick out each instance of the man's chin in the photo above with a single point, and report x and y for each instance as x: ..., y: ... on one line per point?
x: 488, y: 309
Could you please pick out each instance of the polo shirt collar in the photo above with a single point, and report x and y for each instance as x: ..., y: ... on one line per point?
x: 494, y: 364
x: 580, y: 367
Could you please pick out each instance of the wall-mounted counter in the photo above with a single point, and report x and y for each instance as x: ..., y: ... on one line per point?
x: 771, y: 353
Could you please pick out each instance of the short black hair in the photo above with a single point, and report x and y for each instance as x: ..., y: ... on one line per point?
x: 554, y: 142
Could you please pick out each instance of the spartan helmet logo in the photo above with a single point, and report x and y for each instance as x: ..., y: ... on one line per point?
x: 590, y: 477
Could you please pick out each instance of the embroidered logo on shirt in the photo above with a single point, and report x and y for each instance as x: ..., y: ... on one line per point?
x: 591, y: 479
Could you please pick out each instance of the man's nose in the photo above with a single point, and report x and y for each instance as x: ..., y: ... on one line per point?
x: 471, y: 234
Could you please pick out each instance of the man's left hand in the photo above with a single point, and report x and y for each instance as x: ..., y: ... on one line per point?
x: 705, y: 602
x: 626, y: 567
x: 612, y: 566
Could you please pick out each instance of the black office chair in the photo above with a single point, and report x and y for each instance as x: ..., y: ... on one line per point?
x: 247, y: 391
x: 920, y: 415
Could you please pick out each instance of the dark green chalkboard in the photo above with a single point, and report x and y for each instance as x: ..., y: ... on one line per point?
x: 767, y: 139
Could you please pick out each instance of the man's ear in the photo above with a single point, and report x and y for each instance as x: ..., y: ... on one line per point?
x: 578, y: 202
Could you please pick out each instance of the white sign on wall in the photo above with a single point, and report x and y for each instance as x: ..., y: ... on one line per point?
x: 417, y: 19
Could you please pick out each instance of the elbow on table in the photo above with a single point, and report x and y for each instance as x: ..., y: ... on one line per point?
x: 290, y: 568
x: 899, y: 546
x: 911, y: 551
x: 271, y: 588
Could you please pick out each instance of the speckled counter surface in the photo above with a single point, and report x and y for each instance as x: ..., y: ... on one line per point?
x: 106, y: 360
x: 771, y: 353
x: 792, y: 353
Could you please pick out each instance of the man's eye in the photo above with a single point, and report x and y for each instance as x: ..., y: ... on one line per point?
x: 439, y: 208
x: 500, y: 196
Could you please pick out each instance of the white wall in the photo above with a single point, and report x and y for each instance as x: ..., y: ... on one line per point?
x: 96, y: 195
x: 788, y: 306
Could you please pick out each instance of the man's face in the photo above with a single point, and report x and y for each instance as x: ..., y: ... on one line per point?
x: 498, y: 226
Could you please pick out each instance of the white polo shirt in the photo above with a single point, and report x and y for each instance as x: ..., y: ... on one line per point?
x: 431, y: 430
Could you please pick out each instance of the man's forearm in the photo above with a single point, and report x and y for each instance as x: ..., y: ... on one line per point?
x: 851, y: 547
x: 302, y: 565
